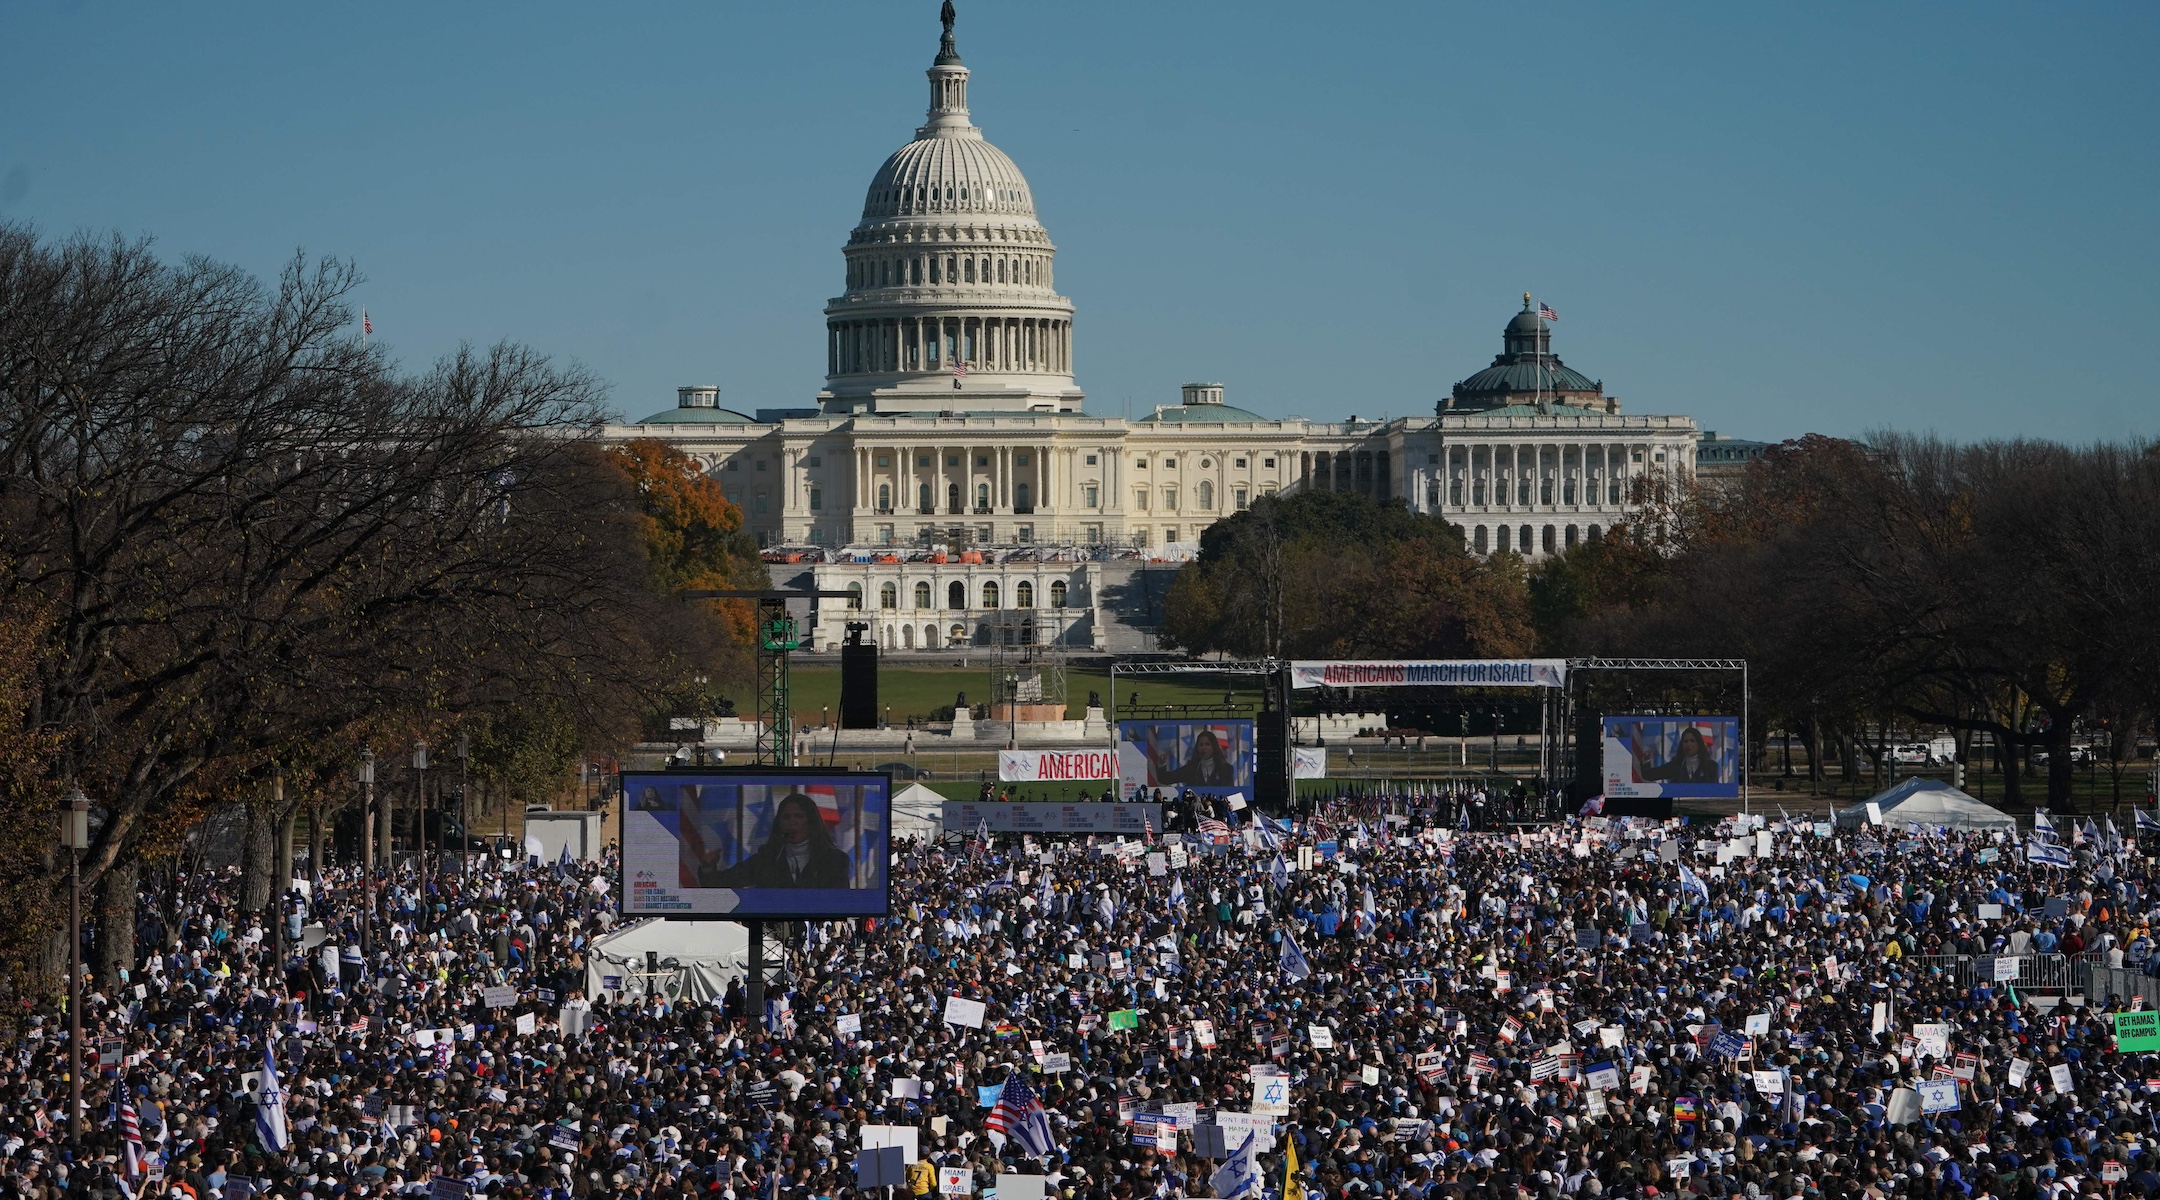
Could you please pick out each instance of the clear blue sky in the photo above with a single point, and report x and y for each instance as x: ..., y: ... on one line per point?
x: 1776, y: 218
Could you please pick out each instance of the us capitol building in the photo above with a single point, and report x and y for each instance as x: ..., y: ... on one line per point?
x: 951, y: 413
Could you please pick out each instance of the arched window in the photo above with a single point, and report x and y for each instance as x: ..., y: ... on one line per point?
x: 922, y: 595
x: 1023, y: 498
x: 922, y: 497
x: 854, y: 597
x: 1023, y: 594
x: 1571, y: 536
x: 929, y: 637
x: 1477, y: 540
x: 1027, y: 632
x: 1523, y: 542
x: 956, y: 636
x: 1596, y: 534
x: 907, y: 636
x: 990, y: 594
x: 1001, y: 270
x: 884, y: 497
x: 1206, y: 493
x: 952, y: 496
x: 1057, y: 593
x: 1502, y: 544
x: 1551, y: 541
x: 888, y: 596
x: 971, y: 270
x: 956, y: 595
x: 982, y: 495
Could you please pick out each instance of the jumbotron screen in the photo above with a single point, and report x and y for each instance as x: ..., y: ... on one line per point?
x: 1672, y: 756
x: 1205, y: 756
x: 756, y: 842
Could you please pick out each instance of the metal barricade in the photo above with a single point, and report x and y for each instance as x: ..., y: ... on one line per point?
x: 2035, y: 972
x: 2103, y: 983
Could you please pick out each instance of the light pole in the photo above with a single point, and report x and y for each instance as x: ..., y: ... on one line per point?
x: 75, y: 838
x: 284, y: 847
x: 464, y: 762
x: 419, y: 766
x: 367, y: 833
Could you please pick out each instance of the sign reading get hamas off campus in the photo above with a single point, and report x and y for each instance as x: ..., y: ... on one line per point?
x: 2137, y: 1031
x: 1458, y: 672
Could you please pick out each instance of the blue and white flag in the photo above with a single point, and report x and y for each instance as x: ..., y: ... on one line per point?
x: 1237, y: 1178
x: 1293, y: 959
x: 1692, y: 884
x: 1177, y: 891
x: 2044, y: 829
x: 1279, y: 871
x: 270, y: 1106
x: 565, y: 866
x: 2044, y: 854
x: 2146, y: 822
x: 1019, y: 1115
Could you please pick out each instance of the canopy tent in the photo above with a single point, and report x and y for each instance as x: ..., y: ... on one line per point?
x: 698, y: 959
x: 1928, y: 802
x: 918, y: 812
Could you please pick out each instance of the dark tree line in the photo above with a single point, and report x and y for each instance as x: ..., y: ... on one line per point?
x: 2007, y: 588
x: 1338, y: 575
x: 235, y: 539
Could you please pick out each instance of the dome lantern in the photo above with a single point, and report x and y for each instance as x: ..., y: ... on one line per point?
x: 950, y: 300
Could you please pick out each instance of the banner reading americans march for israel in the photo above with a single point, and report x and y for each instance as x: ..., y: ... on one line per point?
x: 1454, y: 672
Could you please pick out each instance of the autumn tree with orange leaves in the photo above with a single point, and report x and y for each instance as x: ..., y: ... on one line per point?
x: 693, y: 534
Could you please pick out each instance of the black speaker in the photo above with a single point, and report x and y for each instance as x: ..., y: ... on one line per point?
x: 1271, y: 780
x: 858, y: 685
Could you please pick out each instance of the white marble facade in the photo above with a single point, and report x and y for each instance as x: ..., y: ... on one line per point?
x: 950, y: 409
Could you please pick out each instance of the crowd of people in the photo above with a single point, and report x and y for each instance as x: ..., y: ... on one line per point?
x: 1366, y: 1001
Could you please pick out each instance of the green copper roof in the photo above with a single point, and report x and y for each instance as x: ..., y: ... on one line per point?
x: 1200, y: 414
x: 698, y: 416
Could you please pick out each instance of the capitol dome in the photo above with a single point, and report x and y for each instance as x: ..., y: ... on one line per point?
x: 950, y: 303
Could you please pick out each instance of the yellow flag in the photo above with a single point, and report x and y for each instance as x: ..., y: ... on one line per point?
x: 1291, y: 1188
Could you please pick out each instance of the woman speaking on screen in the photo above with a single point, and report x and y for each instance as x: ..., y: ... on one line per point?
x: 799, y: 854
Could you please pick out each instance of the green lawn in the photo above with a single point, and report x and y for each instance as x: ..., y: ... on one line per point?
x: 915, y: 691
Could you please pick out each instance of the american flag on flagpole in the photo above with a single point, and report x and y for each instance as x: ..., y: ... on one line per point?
x: 367, y: 327
x: 1545, y: 310
x: 1019, y: 1115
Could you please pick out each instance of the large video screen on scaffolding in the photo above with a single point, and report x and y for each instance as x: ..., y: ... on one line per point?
x: 1672, y: 756
x: 756, y: 842
x: 1204, y: 755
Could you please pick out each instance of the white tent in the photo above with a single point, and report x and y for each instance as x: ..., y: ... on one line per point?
x: 917, y: 812
x: 698, y: 958
x: 1928, y: 802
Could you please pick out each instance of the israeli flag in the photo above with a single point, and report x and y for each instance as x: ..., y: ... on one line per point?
x: 1177, y: 891
x: 2043, y: 854
x: 1293, y: 959
x: 1279, y: 871
x: 270, y: 1106
x: 2146, y: 822
x: 2044, y: 829
x: 1692, y: 884
x: 1237, y: 1178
